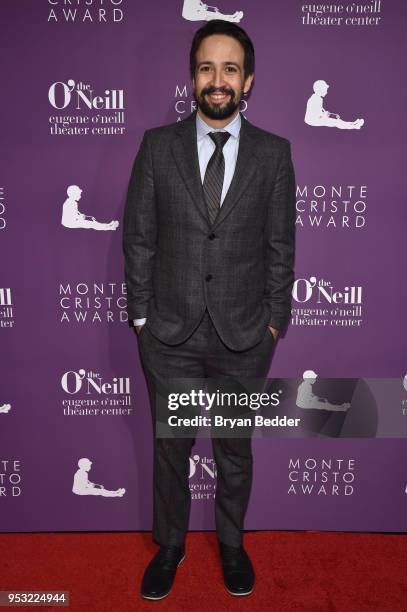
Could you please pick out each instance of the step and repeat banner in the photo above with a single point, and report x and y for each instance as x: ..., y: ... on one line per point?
x: 81, y: 82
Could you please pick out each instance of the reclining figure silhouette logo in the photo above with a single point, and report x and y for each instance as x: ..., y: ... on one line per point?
x: 5, y: 408
x: 195, y: 10
x: 307, y: 400
x: 72, y: 218
x: 83, y: 486
x: 316, y: 115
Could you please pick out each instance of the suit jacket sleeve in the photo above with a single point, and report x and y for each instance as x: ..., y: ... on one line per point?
x: 139, y: 233
x: 281, y: 242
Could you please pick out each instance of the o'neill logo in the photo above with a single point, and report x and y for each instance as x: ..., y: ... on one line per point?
x: 351, y: 14
x: 92, y: 395
x: 202, y: 478
x: 6, y: 308
x: 95, y: 114
x: 326, y: 305
x: 5, y: 297
x: 81, y: 96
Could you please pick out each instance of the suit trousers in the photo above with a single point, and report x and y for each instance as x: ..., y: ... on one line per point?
x: 202, y: 355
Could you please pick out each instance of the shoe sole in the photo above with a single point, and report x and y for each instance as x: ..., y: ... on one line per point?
x: 239, y: 594
x: 152, y: 598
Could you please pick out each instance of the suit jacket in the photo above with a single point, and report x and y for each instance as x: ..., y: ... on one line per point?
x: 177, y: 263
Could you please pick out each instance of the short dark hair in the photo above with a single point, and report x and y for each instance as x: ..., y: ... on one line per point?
x: 219, y: 26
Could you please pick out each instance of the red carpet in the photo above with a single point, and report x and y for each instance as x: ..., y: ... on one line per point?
x: 295, y: 571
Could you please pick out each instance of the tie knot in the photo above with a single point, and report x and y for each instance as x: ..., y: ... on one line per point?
x: 219, y: 138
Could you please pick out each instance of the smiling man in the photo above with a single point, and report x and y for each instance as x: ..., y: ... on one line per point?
x: 209, y: 228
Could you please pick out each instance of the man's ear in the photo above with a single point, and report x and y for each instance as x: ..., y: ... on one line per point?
x: 248, y: 83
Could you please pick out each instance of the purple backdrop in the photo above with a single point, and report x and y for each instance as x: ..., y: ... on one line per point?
x: 80, y: 85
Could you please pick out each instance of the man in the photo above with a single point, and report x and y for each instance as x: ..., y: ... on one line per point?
x: 209, y: 229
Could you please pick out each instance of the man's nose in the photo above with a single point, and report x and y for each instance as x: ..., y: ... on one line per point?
x: 218, y: 78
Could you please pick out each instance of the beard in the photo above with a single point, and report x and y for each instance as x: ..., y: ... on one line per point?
x: 217, y: 110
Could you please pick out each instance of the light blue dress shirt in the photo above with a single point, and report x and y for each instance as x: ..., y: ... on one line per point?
x: 206, y: 148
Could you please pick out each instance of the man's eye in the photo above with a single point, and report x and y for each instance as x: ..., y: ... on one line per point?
x: 204, y: 68
x: 231, y: 68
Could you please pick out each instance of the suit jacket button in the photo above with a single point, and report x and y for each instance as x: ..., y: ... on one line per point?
x: 211, y: 236
x: 208, y: 277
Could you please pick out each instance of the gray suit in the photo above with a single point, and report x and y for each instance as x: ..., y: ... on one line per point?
x: 209, y: 293
x: 177, y: 264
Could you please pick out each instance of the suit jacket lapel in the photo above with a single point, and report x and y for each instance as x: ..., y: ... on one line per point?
x: 246, y: 165
x: 185, y: 152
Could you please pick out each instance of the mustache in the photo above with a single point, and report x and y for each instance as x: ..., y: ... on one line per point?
x: 223, y: 90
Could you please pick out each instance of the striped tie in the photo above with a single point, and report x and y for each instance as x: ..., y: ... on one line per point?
x: 214, y: 175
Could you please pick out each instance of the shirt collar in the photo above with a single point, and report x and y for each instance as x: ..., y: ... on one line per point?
x: 233, y: 127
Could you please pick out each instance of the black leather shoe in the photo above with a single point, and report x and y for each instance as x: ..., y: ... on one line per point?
x: 160, y: 572
x: 238, y: 570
